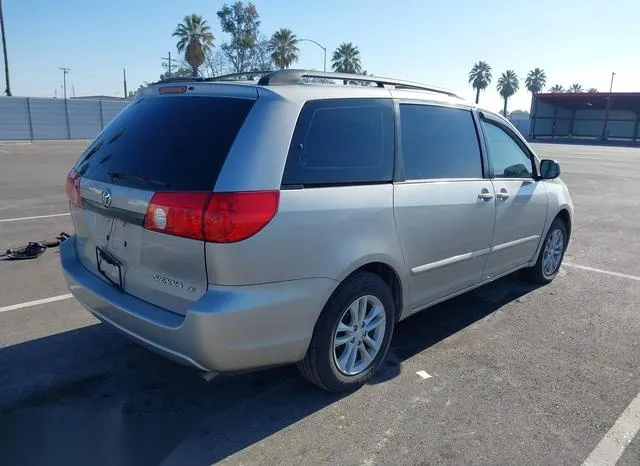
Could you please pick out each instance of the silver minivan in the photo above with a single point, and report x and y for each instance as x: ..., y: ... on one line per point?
x: 236, y: 225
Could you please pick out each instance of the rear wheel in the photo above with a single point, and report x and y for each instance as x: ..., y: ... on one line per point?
x: 352, y: 335
x: 551, y: 255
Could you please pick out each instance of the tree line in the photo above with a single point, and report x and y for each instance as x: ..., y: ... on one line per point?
x: 247, y: 48
x: 509, y: 82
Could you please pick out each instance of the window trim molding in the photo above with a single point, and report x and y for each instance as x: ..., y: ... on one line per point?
x: 439, y: 180
x: 400, y: 173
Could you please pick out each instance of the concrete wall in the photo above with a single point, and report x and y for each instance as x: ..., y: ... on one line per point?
x: 34, y: 118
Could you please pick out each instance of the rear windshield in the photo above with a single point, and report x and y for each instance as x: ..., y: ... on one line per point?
x: 176, y: 143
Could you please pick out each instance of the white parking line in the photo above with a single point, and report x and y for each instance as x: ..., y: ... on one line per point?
x: 17, y: 219
x: 606, y: 272
x: 37, y: 302
x: 612, y: 445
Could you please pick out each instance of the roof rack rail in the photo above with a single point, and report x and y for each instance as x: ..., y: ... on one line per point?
x: 238, y: 76
x: 283, y: 77
x: 249, y: 75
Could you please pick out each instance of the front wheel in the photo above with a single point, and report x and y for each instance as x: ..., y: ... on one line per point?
x: 352, y: 335
x: 551, y: 255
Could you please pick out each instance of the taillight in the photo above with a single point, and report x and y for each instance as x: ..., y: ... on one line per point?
x: 178, y: 214
x: 213, y: 217
x: 73, y: 187
x: 232, y: 217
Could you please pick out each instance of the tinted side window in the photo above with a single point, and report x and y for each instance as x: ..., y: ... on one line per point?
x: 340, y: 142
x: 508, y: 160
x: 439, y: 142
x: 174, y: 143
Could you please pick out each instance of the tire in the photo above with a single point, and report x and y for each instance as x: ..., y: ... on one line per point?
x: 321, y: 365
x: 537, y: 273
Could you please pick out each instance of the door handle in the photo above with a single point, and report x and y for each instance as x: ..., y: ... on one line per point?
x: 485, y: 195
x: 503, y: 194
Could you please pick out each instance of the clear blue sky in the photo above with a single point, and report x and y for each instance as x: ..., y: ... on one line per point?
x: 430, y: 41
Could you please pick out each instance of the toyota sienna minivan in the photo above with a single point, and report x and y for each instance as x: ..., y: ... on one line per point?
x: 235, y: 225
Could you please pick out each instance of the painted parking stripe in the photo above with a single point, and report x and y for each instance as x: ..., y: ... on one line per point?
x: 18, y: 219
x: 613, y: 444
x: 606, y: 272
x: 37, y: 302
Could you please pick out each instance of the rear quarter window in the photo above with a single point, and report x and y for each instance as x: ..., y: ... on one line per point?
x: 175, y: 143
x: 342, y: 141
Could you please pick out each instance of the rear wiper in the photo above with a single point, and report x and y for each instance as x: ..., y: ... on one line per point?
x: 128, y: 176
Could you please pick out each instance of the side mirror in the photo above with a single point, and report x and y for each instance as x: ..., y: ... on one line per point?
x: 549, y: 169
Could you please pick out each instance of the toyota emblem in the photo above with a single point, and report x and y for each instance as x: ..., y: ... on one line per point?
x: 106, y: 197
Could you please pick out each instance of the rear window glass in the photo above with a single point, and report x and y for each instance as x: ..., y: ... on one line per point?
x: 175, y: 143
x: 342, y: 142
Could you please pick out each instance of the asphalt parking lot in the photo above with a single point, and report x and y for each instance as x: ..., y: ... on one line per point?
x: 518, y: 374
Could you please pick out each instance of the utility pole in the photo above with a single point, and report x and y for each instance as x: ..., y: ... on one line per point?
x: 73, y: 90
x: 611, y: 86
x: 168, y: 64
x: 4, y: 51
x: 64, y: 80
x: 124, y: 77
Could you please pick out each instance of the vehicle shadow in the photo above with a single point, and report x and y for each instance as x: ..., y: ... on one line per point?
x: 89, y: 396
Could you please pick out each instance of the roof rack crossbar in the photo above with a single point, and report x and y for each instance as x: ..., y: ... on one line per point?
x: 283, y: 77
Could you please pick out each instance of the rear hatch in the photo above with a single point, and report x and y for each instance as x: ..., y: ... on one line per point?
x: 137, y: 191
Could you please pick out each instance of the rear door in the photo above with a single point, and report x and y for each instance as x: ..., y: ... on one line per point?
x: 521, y: 200
x: 444, y: 207
x: 158, y: 144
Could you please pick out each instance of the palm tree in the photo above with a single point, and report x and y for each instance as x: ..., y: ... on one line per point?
x: 480, y: 77
x: 575, y: 88
x: 283, y: 48
x: 508, y: 84
x: 556, y: 89
x: 535, y: 80
x: 4, y: 51
x: 195, y: 40
x: 346, y: 59
x: 592, y: 90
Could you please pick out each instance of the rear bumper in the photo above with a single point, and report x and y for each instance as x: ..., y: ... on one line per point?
x: 230, y: 328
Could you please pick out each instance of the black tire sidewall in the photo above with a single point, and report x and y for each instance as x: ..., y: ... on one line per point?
x: 359, y: 285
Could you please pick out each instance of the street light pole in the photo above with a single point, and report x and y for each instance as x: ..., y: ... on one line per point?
x: 611, y: 86
x: 324, y: 49
x: 64, y: 80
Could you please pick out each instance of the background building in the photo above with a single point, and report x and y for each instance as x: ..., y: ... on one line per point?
x: 588, y: 117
